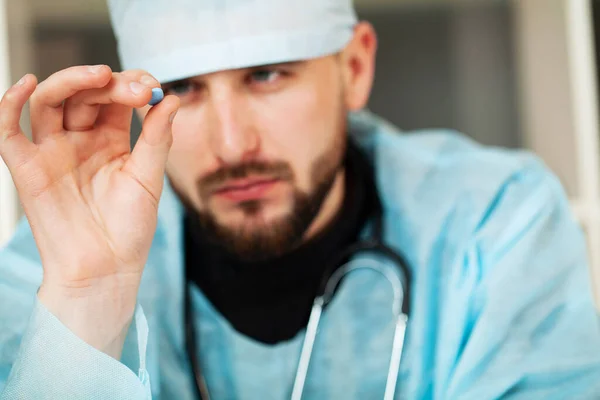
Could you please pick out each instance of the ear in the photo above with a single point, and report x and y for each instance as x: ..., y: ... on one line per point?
x: 358, y: 64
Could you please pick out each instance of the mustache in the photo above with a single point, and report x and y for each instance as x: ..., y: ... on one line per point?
x: 275, y: 170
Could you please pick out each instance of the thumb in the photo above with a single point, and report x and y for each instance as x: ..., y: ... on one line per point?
x: 149, y: 156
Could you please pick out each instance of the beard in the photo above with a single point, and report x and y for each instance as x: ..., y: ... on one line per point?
x: 268, y: 239
x: 260, y: 239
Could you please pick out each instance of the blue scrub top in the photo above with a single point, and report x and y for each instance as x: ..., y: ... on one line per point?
x: 502, y: 303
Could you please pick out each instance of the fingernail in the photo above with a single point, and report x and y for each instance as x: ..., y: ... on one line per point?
x: 95, y: 69
x: 136, y: 87
x: 148, y: 80
x: 172, y: 117
x: 21, y: 81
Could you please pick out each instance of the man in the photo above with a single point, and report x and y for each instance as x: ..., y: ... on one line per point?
x: 273, y: 171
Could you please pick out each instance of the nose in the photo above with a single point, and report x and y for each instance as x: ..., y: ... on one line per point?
x: 234, y: 136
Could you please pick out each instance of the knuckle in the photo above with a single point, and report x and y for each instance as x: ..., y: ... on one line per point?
x: 136, y: 74
x: 86, y: 69
x: 6, y: 100
x: 105, y: 67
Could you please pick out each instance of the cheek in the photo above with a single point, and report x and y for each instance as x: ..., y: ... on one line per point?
x: 300, y: 124
x: 187, y: 158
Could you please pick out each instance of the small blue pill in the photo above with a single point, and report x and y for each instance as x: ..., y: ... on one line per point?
x: 157, y: 96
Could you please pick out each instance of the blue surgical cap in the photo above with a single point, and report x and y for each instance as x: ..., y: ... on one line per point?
x: 177, y: 39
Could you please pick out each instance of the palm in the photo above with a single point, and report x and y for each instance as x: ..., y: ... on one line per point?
x: 92, y: 203
x: 85, y: 171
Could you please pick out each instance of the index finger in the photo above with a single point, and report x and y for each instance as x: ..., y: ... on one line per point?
x: 113, y: 114
x: 111, y: 104
x: 46, y: 103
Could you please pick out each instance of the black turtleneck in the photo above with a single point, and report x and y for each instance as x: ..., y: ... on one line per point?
x: 270, y: 300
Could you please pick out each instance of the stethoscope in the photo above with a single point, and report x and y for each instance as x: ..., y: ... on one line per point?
x: 330, y: 281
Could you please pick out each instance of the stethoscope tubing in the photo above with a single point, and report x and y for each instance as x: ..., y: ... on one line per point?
x: 329, y: 283
x: 317, y: 311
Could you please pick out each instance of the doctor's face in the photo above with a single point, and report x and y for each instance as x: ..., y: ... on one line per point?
x: 258, y: 152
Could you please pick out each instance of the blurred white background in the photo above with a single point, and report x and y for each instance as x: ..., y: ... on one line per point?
x: 520, y: 73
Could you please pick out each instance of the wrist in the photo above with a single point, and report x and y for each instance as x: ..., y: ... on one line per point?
x: 99, y: 314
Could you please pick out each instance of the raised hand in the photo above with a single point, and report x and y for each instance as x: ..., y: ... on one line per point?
x: 91, y: 202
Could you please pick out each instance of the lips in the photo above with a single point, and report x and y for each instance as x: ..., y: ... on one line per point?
x: 246, y: 189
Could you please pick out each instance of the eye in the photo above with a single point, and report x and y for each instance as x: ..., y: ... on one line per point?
x: 265, y: 76
x: 181, y: 88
